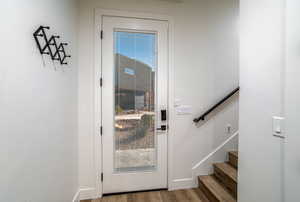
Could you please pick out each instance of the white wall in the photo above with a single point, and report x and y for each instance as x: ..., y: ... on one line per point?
x: 206, y: 68
x: 291, y: 103
x: 38, y: 104
x: 261, y: 97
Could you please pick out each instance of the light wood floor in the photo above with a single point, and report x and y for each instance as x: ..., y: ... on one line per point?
x: 189, y: 195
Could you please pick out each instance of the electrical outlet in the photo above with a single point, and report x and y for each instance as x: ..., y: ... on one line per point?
x: 228, y: 128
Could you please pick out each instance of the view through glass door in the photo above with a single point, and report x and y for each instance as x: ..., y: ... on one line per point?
x: 134, y: 104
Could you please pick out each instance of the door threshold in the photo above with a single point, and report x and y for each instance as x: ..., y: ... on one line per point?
x: 133, y: 192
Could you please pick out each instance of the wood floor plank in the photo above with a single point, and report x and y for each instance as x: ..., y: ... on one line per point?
x: 145, y: 196
x: 116, y: 198
x: 189, y: 195
x: 153, y: 196
x: 130, y: 198
x: 201, y: 195
x: 109, y: 199
x: 133, y: 197
x: 180, y: 195
x: 168, y: 196
x: 193, y: 196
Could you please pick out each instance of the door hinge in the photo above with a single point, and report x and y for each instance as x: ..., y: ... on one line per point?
x: 101, y: 82
x: 101, y: 177
x: 101, y: 34
x: 101, y: 130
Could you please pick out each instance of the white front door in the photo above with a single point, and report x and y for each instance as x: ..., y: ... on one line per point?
x: 134, y: 104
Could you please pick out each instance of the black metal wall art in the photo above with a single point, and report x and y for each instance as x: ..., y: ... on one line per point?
x: 49, y: 46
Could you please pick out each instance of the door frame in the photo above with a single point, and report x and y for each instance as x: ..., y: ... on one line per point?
x: 99, y: 13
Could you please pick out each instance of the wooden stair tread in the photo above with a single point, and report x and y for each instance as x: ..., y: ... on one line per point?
x: 234, y: 153
x: 233, y: 158
x: 216, y: 189
x: 227, y: 170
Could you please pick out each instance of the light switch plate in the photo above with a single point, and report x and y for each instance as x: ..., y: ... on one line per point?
x: 278, y: 127
x: 183, y: 110
x: 177, y: 102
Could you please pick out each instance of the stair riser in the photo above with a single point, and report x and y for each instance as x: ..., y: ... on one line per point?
x: 233, y: 160
x: 211, y: 197
x: 229, y: 183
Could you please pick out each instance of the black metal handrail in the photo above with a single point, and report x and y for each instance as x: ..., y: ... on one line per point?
x: 202, y: 117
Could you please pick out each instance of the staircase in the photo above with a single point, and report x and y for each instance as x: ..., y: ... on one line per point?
x: 221, y: 186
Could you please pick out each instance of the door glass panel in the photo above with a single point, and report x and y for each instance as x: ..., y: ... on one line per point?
x: 135, y: 95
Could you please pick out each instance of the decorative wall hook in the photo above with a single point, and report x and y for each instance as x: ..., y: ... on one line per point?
x: 41, y: 33
x: 61, y: 49
x: 50, y: 46
x: 52, y: 42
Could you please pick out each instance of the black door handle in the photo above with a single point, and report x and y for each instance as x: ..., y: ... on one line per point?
x: 162, y: 128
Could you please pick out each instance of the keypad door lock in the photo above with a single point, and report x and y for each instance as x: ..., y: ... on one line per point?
x: 163, y: 114
x: 163, y: 118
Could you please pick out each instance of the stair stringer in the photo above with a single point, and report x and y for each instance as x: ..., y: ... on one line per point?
x: 218, y: 155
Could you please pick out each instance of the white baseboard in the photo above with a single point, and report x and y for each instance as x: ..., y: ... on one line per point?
x: 184, y: 183
x: 87, y: 193
x: 76, y: 197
